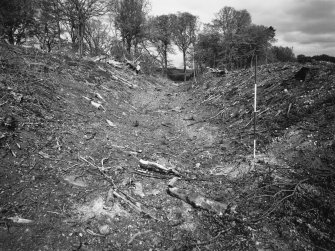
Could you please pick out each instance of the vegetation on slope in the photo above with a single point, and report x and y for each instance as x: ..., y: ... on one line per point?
x: 291, y: 186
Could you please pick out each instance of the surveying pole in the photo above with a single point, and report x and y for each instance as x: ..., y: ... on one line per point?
x: 255, y: 108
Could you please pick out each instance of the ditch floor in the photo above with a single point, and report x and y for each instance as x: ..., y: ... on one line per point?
x: 71, y: 176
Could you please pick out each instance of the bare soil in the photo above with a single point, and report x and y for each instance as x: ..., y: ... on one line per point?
x: 73, y: 133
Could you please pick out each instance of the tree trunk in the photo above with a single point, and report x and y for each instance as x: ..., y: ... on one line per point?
x: 165, y: 59
x: 56, y: 4
x: 81, y: 36
x: 128, y: 45
x: 59, y: 32
x: 184, y: 59
x: 135, y: 47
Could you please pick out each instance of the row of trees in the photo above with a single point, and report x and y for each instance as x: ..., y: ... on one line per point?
x: 326, y: 58
x: 48, y: 20
x: 232, y: 41
x: 124, y: 27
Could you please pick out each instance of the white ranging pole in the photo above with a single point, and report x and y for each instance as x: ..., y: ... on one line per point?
x: 255, y: 108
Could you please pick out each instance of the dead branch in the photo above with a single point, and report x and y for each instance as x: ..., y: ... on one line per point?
x: 197, y: 122
x: 151, y: 175
x: 137, y: 234
x: 152, y: 166
x: 212, y: 239
x: 289, y: 109
x: 276, y: 204
x: 100, y: 169
x: 218, y: 114
x: 132, y: 205
x: 198, y: 201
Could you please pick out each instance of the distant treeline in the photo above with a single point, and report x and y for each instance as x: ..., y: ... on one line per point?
x: 305, y: 59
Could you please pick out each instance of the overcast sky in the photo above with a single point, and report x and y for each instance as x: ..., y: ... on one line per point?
x: 306, y: 25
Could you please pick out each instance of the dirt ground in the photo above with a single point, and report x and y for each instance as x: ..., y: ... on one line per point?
x: 74, y: 136
x: 64, y: 160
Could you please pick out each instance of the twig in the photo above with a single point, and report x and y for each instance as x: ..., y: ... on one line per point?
x: 132, y: 205
x: 4, y: 103
x: 101, y: 170
x: 137, y: 234
x: 212, y: 239
x: 115, y: 116
x: 279, y: 202
x: 151, y: 175
x: 289, y: 109
x: 257, y: 115
x: 210, y: 98
x: 157, y: 167
x: 219, y: 113
x: 197, y: 122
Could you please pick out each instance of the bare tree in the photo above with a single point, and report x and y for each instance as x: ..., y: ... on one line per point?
x: 184, y: 33
x: 230, y: 21
x: 231, y: 24
x: 16, y: 20
x: 78, y: 13
x: 97, y: 37
x: 130, y: 16
x: 161, y: 36
x: 48, y: 23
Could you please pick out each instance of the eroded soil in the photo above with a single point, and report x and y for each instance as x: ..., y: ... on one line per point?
x: 73, y: 134
x: 59, y: 171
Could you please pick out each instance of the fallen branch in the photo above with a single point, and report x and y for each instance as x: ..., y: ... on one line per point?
x: 257, y: 115
x: 151, y: 175
x: 289, y: 109
x: 17, y: 219
x: 218, y: 114
x: 276, y: 204
x: 114, y: 63
x: 211, y: 97
x: 100, y: 169
x: 97, y: 105
x: 122, y: 80
x: 198, y: 201
x: 137, y: 234
x: 157, y: 167
x: 212, y: 239
x: 197, y: 122
x: 132, y: 205
x: 4, y: 103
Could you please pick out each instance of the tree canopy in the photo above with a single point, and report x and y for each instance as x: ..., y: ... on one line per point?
x: 16, y: 20
x: 130, y: 17
x: 231, y: 40
x: 185, y: 33
x: 161, y: 34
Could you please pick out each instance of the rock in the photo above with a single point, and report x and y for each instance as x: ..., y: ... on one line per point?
x: 9, y: 122
x: 104, y: 229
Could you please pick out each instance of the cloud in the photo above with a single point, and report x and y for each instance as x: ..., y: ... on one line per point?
x: 306, y: 25
x: 313, y: 9
x: 326, y: 40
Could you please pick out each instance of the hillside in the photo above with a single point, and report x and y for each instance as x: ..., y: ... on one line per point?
x: 95, y: 157
x: 291, y: 186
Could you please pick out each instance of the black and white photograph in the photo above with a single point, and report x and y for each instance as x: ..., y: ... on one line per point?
x: 180, y: 125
